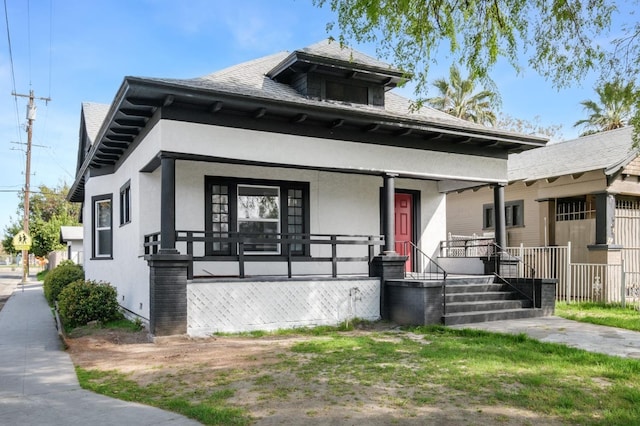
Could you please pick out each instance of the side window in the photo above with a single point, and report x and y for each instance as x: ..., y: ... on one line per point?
x: 102, y: 226
x: 125, y: 203
x: 513, y: 212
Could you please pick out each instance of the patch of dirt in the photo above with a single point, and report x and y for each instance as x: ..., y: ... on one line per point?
x: 258, y: 370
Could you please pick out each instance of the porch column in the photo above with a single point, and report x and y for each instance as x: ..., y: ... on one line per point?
x: 499, y: 218
x: 168, y: 205
x: 389, y: 214
x: 605, y: 216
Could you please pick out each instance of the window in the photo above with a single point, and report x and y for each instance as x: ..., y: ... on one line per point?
x: 125, y: 203
x: 259, y: 216
x: 102, y: 241
x: 258, y: 209
x: 346, y: 92
x: 513, y: 212
x: 575, y: 208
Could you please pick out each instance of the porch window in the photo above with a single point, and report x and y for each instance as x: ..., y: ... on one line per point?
x: 513, y: 212
x: 258, y: 207
x: 102, y: 234
x: 259, y: 214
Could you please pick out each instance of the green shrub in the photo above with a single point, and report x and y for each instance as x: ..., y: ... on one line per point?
x: 83, y: 301
x: 61, y: 276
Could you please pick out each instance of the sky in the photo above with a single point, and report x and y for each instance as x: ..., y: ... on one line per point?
x: 75, y: 51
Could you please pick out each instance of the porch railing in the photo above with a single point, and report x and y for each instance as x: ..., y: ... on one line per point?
x: 290, y: 248
x: 462, y: 246
x: 425, y: 268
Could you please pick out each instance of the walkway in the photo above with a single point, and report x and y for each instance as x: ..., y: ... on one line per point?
x: 38, y: 384
x: 590, y: 337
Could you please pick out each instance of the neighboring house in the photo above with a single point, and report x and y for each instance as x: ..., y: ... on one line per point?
x: 72, y: 236
x: 202, y: 196
x: 584, y: 191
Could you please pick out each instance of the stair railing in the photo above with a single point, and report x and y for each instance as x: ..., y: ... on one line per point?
x: 529, y: 271
x: 426, y: 268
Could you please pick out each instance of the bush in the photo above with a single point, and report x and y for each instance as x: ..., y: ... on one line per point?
x: 83, y: 301
x: 60, y: 277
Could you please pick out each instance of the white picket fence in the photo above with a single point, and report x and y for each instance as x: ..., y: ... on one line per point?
x: 581, y: 282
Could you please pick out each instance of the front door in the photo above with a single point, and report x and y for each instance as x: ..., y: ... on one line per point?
x: 404, y: 227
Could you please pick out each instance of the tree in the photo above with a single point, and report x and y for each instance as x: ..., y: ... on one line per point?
x: 457, y: 97
x: 533, y: 127
x: 49, y: 210
x: 558, y: 39
x: 613, y: 110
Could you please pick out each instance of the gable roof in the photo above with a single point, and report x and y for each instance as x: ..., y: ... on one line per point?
x: 608, y: 151
x: 245, y: 90
x: 93, y: 115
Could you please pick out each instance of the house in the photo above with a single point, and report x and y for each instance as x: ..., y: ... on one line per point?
x: 271, y: 194
x: 584, y: 191
x: 72, y: 236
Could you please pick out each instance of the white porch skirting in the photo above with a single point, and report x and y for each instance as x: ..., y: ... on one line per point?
x: 239, y: 305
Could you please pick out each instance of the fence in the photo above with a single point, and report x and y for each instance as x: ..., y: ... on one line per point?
x: 582, y: 282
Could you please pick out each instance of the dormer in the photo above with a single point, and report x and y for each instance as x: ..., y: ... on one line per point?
x: 326, y: 71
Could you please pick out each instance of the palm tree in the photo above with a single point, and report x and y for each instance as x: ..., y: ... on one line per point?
x: 457, y: 98
x: 614, y: 109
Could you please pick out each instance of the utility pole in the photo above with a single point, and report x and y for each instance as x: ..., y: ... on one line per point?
x: 31, y: 116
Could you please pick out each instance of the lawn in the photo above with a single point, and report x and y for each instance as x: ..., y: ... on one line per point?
x: 432, y: 375
x: 612, y: 315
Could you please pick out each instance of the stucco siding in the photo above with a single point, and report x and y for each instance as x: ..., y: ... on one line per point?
x: 277, y: 148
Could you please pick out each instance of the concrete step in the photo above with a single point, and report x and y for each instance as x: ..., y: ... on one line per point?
x: 474, y: 288
x: 465, y: 307
x: 469, y: 279
x: 483, y: 296
x: 484, y: 316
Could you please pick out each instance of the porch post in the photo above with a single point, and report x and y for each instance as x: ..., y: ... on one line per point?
x: 389, y: 214
x: 605, y: 217
x: 499, y: 218
x: 168, y: 269
x: 168, y: 205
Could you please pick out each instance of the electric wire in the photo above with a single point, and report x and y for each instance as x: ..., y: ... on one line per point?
x: 13, y: 74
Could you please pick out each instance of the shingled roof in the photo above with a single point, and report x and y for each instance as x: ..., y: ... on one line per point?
x: 246, y: 90
x: 251, y: 79
x: 607, y: 151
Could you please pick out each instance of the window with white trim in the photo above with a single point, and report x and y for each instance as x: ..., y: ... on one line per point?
x: 102, y: 227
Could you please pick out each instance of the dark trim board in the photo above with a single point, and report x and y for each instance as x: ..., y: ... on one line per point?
x: 232, y: 183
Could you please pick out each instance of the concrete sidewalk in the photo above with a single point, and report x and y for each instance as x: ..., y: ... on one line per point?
x: 38, y: 384
x: 590, y: 337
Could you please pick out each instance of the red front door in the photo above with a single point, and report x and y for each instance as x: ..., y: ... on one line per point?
x: 404, y: 227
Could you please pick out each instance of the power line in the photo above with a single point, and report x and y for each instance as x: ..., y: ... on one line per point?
x: 13, y: 74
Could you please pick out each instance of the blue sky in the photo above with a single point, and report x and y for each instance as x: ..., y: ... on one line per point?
x: 78, y: 50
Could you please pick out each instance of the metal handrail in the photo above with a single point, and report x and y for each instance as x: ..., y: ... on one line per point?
x: 497, y: 253
x: 438, y: 274
x: 466, y: 247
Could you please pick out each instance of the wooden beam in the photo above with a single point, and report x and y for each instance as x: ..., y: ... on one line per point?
x: 336, y: 123
x: 259, y: 113
x: 215, y: 107
x: 168, y: 100
x: 579, y: 175
x: 403, y: 132
x: 120, y: 138
x: 119, y: 145
x: 127, y: 122
x: 299, y: 118
x: 152, y: 102
x: 134, y: 112
x: 125, y: 130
